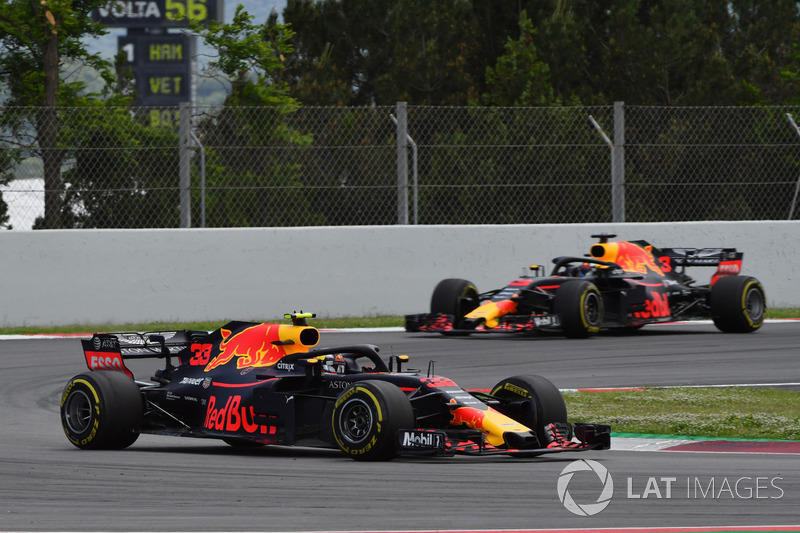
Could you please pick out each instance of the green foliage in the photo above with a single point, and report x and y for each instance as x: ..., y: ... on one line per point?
x: 252, y: 57
x: 684, y: 151
x: 362, y: 53
x: 464, y: 159
x: 27, y: 27
x: 520, y: 78
x: 123, y: 169
x: 450, y: 52
x: 251, y: 179
x: 36, y: 38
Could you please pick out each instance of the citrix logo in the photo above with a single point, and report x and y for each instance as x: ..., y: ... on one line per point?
x: 586, y: 509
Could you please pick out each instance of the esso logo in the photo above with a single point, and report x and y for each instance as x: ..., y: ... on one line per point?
x: 99, y: 362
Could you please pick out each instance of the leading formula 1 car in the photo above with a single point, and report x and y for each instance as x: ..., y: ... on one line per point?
x: 619, y: 285
x: 262, y: 384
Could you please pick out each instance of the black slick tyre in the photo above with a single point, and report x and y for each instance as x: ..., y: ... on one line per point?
x: 581, y: 308
x: 101, y: 410
x: 454, y: 296
x: 533, y: 401
x: 738, y: 304
x: 366, y: 417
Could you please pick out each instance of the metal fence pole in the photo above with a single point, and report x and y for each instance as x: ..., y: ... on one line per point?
x: 184, y: 166
x: 402, y: 163
x: 797, y: 185
x: 610, y: 145
x: 414, y: 174
x: 202, y: 180
x: 618, y: 165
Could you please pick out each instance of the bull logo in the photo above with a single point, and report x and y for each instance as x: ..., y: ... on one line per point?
x: 253, y: 346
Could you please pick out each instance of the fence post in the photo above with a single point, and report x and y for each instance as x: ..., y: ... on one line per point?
x: 184, y: 167
x: 402, y: 163
x: 202, y: 179
x: 618, y: 165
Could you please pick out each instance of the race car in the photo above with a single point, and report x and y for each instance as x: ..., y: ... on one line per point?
x: 620, y: 285
x: 252, y: 384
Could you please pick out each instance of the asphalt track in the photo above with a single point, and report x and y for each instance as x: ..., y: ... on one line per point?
x: 172, y: 484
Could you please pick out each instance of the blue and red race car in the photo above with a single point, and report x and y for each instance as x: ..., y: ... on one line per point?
x: 620, y: 285
x: 252, y: 384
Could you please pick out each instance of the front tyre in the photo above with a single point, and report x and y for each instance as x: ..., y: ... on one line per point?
x: 101, y: 410
x: 581, y: 308
x: 366, y: 418
x: 455, y: 297
x: 533, y: 401
x: 738, y: 304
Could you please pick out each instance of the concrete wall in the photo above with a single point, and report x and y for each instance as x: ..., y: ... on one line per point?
x: 116, y: 276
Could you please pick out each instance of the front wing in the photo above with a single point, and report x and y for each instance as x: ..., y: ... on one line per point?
x: 447, y: 443
x: 442, y: 323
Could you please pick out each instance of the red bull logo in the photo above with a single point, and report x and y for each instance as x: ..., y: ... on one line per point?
x: 469, y: 416
x: 252, y: 346
x: 656, y: 306
x: 491, y: 311
x: 439, y: 381
x: 630, y: 257
x: 492, y: 423
x: 234, y: 417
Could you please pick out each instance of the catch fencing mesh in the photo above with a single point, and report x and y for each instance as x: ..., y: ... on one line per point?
x: 337, y: 166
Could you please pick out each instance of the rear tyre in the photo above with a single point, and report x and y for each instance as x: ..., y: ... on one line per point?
x: 738, y: 304
x: 101, y: 410
x: 532, y: 401
x: 366, y: 418
x: 581, y: 308
x: 455, y: 297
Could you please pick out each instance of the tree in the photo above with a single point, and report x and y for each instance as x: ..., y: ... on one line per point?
x: 123, y: 175
x: 35, y: 39
x: 251, y: 57
x: 252, y: 177
x: 385, y: 51
x: 519, y: 78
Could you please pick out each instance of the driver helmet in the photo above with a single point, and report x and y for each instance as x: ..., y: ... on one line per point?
x: 334, y: 363
x: 582, y: 270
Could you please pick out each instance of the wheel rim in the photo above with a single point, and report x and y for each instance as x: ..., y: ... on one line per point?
x: 591, y: 309
x: 78, y: 412
x: 355, y: 422
x: 754, y: 305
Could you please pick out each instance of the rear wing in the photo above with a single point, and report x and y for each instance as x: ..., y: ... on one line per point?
x: 701, y: 256
x: 108, y: 351
x: 727, y: 260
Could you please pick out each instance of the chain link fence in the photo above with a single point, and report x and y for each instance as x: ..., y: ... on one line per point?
x: 309, y: 166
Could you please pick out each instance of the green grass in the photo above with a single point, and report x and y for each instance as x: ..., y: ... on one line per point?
x: 739, y: 413
x: 783, y: 313
x: 322, y: 323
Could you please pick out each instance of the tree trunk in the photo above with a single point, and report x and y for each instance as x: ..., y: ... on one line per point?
x: 47, y: 129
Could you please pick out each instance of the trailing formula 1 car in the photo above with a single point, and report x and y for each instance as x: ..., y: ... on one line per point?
x: 265, y: 384
x: 619, y: 285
